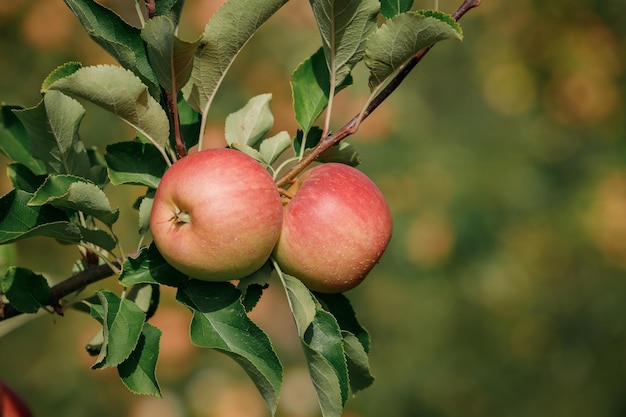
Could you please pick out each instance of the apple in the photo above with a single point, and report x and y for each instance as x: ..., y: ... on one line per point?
x: 335, y: 228
x: 216, y: 215
x: 11, y: 405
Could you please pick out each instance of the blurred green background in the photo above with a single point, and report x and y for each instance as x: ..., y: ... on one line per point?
x: 503, y: 158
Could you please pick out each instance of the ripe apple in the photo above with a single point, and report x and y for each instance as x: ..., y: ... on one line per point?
x: 216, y: 215
x: 11, y: 405
x: 335, y: 228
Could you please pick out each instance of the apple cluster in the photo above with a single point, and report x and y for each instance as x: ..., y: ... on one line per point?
x: 218, y: 216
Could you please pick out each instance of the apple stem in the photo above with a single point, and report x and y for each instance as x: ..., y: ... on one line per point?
x: 353, y: 125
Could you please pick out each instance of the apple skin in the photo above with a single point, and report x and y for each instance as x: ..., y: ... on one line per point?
x: 11, y: 405
x: 335, y: 228
x: 216, y: 215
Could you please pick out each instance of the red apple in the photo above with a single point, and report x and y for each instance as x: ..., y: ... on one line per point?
x: 335, y: 228
x: 11, y: 405
x: 216, y: 215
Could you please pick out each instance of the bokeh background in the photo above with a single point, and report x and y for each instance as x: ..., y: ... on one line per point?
x: 503, y: 158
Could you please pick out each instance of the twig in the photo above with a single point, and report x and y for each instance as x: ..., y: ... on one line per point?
x: 66, y: 287
x: 352, y: 126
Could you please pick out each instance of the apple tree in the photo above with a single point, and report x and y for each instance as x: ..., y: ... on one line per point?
x: 164, y: 88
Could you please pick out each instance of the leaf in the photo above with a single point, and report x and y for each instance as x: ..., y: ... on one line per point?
x: 228, y: 31
x: 135, y: 163
x: 52, y: 128
x: 249, y: 124
x: 220, y: 322
x: 146, y: 296
x: 310, y: 86
x: 401, y: 37
x: 23, y: 178
x: 356, y: 339
x: 171, y: 8
x: 322, y: 344
x: 8, y: 257
x: 340, y: 307
x: 272, y: 148
x: 170, y: 58
x: 98, y: 170
x: 391, y: 8
x: 150, y: 267
x: 122, y: 93
x: 189, y: 123
x: 324, y: 336
x: 358, y: 363
x: 252, y: 286
x: 20, y: 221
x: 59, y: 72
x: 14, y: 140
x: 98, y: 237
x: 342, y: 152
x: 138, y: 372
x: 75, y: 193
x: 300, y: 301
x: 121, y: 40
x: 145, y: 210
x: 25, y: 290
x: 122, y: 322
x: 344, y: 26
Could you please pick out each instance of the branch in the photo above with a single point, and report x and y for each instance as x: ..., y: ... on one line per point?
x: 66, y: 287
x: 352, y: 126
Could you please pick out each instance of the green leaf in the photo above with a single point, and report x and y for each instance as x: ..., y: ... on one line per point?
x: 150, y: 267
x: 59, y: 72
x: 228, y: 31
x: 23, y: 178
x: 272, y: 148
x: 322, y: 344
x: 391, y: 8
x: 356, y: 339
x: 25, y: 290
x: 358, y: 363
x: 220, y: 322
x: 313, y: 137
x: 8, y: 257
x: 75, y: 193
x: 310, y: 86
x: 401, y: 37
x: 14, y: 140
x: 122, y: 93
x: 325, y: 382
x: 145, y: 210
x: 300, y: 301
x: 98, y: 170
x: 19, y: 221
x: 121, y: 40
x: 189, y: 123
x: 170, y: 57
x: 342, y: 152
x: 249, y: 124
x: 135, y: 163
x: 171, y: 8
x: 138, y: 372
x: 252, y: 286
x: 98, y: 237
x: 146, y: 296
x: 340, y: 307
x: 344, y: 26
x: 324, y: 337
x: 52, y: 128
x: 122, y: 322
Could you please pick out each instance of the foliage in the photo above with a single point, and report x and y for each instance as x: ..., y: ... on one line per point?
x: 60, y: 184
